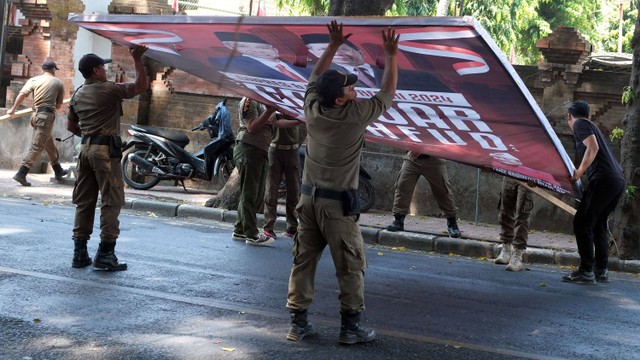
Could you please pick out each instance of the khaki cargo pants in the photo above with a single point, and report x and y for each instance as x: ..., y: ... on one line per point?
x: 287, y: 163
x: 516, y: 203
x: 42, y: 124
x: 98, y: 174
x: 435, y: 171
x: 322, y: 223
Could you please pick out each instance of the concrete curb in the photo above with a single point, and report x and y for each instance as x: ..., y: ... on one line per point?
x: 379, y: 236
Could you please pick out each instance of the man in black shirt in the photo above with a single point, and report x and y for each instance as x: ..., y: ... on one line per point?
x: 599, y: 199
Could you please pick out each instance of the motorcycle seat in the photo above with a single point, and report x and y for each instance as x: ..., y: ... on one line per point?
x: 176, y: 136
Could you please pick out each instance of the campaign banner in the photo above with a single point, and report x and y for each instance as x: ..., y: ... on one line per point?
x: 458, y: 97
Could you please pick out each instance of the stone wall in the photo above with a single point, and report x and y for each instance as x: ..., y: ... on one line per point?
x: 177, y: 100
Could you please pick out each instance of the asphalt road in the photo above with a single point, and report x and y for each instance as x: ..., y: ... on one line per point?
x: 193, y: 293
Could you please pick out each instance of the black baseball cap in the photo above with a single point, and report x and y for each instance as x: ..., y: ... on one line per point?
x: 89, y: 61
x: 330, y: 83
x: 49, y: 65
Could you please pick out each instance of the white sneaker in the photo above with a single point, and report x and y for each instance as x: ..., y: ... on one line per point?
x: 505, y: 254
x: 260, y: 240
x: 238, y: 237
x: 515, y: 264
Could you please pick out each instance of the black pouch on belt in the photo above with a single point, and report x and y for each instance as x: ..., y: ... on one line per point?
x: 115, y: 147
x: 351, y: 202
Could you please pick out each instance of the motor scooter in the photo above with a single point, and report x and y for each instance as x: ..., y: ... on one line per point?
x: 159, y: 154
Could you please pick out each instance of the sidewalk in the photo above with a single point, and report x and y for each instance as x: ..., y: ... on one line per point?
x: 422, y: 233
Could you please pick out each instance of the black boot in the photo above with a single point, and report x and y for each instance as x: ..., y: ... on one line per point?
x: 300, y: 327
x: 21, y: 176
x: 106, y: 258
x: 397, y: 224
x: 351, y: 332
x: 80, y: 254
x: 452, y: 227
x: 59, y: 171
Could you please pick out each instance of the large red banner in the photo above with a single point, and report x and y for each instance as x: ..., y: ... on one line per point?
x: 458, y: 97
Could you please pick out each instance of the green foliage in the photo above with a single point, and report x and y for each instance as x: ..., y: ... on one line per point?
x: 518, y: 23
x: 616, y: 134
x: 628, y: 95
x: 630, y: 193
x: 305, y: 7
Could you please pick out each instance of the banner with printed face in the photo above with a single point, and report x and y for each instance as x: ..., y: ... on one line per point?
x: 458, y: 98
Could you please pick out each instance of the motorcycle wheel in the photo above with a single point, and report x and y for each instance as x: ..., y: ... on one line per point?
x: 367, y: 195
x: 225, y: 170
x: 132, y: 175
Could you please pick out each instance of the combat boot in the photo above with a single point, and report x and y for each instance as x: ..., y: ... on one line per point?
x: 452, y: 227
x: 351, y: 332
x: 505, y: 254
x: 81, y: 256
x: 515, y: 264
x: 21, y: 176
x: 59, y: 171
x: 300, y: 327
x: 398, y: 223
x: 106, y: 258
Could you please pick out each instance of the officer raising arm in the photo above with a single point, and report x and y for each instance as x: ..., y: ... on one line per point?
x: 328, y: 209
x: 95, y: 111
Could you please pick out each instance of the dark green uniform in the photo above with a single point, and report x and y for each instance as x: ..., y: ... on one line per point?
x: 48, y: 91
x: 334, y: 142
x: 283, y: 160
x: 98, y: 105
x: 250, y: 155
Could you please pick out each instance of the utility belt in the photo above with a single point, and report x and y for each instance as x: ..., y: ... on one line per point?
x: 350, y: 198
x: 45, y: 109
x: 284, y: 147
x: 114, y: 142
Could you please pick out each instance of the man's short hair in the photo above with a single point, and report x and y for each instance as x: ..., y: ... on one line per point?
x: 330, y: 84
x: 579, y: 109
x: 88, y: 62
x: 323, y: 39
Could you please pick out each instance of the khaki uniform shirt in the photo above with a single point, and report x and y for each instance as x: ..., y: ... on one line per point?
x: 335, y: 137
x: 286, y: 136
x: 48, y: 91
x: 251, y: 109
x: 98, y: 105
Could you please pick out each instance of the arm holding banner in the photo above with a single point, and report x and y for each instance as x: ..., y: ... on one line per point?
x: 337, y: 39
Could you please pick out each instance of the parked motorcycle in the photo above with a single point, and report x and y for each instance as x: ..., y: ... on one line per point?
x: 159, y: 154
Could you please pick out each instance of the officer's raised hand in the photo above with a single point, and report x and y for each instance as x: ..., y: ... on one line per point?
x: 335, y: 33
x: 137, y: 50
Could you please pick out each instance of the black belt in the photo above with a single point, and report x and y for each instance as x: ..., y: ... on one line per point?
x: 96, y: 140
x: 323, y: 193
x: 46, y: 109
x: 423, y: 156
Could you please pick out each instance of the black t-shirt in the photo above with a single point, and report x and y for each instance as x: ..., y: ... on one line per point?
x: 605, y: 165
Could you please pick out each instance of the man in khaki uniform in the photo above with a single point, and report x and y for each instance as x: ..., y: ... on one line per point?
x: 250, y: 155
x: 516, y: 203
x: 284, y: 159
x: 328, y: 208
x: 95, y: 111
x: 48, y: 93
x: 434, y: 170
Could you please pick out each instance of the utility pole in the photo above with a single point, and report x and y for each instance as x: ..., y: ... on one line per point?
x: 622, y: 3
